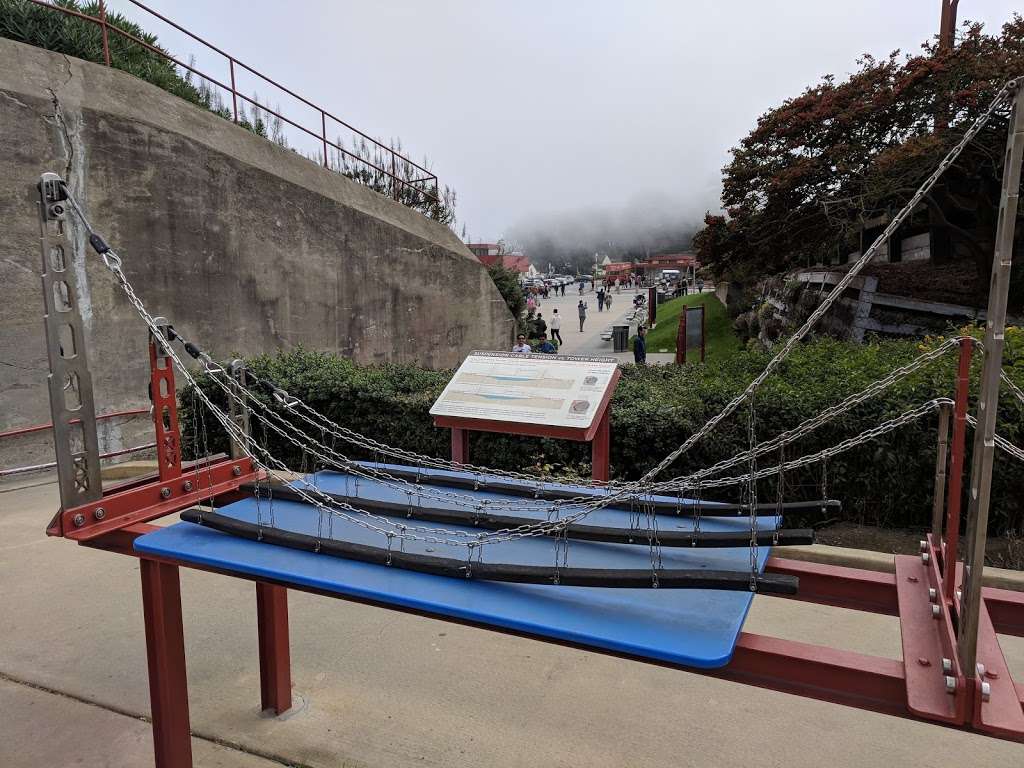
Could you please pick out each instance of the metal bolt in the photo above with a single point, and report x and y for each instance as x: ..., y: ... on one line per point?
x: 986, y: 691
x: 950, y: 684
x: 924, y: 545
x: 980, y: 668
x: 991, y: 674
x: 912, y: 579
x: 959, y: 594
x: 165, y: 492
x: 187, y: 487
x: 936, y: 611
x: 947, y: 665
x: 78, y: 520
x: 932, y: 594
x: 99, y: 513
x: 923, y: 661
x: 925, y: 557
x: 236, y: 471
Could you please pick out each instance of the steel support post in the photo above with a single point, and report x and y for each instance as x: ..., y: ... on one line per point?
x: 164, y: 396
x: 939, y: 494
x: 238, y: 410
x: 72, y: 409
x: 988, y: 401
x: 275, y: 656
x: 165, y: 653
x: 600, y: 448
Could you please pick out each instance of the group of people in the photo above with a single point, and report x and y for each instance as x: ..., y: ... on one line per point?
x: 539, y: 327
x: 540, y: 332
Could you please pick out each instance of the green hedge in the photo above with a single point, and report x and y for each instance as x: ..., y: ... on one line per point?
x: 887, y: 482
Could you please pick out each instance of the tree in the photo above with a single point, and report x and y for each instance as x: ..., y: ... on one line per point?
x: 819, y: 167
x: 507, y: 282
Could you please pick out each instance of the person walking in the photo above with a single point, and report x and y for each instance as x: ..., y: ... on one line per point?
x: 608, y: 302
x: 640, y: 346
x: 521, y: 346
x: 582, y: 309
x: 540, y: 327
x: 556, y: 327
x: 600, y: 300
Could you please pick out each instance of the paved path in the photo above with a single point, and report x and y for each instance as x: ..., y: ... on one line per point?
x: 390, y: 690
x: 589, y: 342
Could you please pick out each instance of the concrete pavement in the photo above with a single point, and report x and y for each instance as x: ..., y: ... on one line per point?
x: 388, y: 689
x: 589, y: 342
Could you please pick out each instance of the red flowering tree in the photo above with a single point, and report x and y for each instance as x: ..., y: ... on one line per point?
x: 802, y: 184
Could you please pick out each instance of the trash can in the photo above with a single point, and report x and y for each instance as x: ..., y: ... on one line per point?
x: 620, y: 338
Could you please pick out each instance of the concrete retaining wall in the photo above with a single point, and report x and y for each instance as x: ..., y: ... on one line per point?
x: 244, y: 245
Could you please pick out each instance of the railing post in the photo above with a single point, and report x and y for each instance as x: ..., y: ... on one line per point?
x: 323, y: 134
x: 956, y: 470
x: 941, y: 459
x: 103, y: 31
x: 234, y: 90
x: 394, y: 177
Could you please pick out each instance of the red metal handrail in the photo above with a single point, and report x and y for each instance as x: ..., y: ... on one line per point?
x: 19, y: 431
x: 52, y: 464
x: 397, y: 181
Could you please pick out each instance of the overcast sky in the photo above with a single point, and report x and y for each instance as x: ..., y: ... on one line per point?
x: 532, y: 108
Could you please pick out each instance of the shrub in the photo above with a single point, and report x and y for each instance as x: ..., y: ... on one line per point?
x: 886, y: 482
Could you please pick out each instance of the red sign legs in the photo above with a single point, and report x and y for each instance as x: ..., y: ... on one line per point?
x: 600, y: 445
x: 600, y: 448
x: 460, y: 445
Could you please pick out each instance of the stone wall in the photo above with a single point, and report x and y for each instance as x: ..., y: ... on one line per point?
x: 243, y: 245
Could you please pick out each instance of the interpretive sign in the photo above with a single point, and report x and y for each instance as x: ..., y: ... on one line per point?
x: 556, y: 391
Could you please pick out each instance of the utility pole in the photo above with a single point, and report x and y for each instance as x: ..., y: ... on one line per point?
x: 947, y: 25
x: 947, y: 33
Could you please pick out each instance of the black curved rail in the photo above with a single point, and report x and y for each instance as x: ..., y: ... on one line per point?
x: 600, y: 533
x: 513, y: 488
x: 666, y: 578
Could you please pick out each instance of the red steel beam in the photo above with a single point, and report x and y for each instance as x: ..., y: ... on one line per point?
x: 165, y: 654
x: 826, y: 674
x: 275, y: 656
x: 155, y: 499
x: 842, y: 587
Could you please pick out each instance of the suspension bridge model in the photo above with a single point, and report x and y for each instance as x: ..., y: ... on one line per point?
x: 648, y: 569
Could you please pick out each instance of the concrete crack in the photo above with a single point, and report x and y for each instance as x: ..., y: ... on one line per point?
x: 22, y: 367
x: 69, y: 148
x: 8, y: 96
x: 58, y: 114
x: 123, y: 711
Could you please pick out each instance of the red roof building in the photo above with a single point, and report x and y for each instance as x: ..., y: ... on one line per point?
x: 680, y: 261
x: 488, y: 255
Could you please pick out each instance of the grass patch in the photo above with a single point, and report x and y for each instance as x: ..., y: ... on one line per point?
x: 719, y: 339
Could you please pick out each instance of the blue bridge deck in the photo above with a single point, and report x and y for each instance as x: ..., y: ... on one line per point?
x: 696, y: 628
